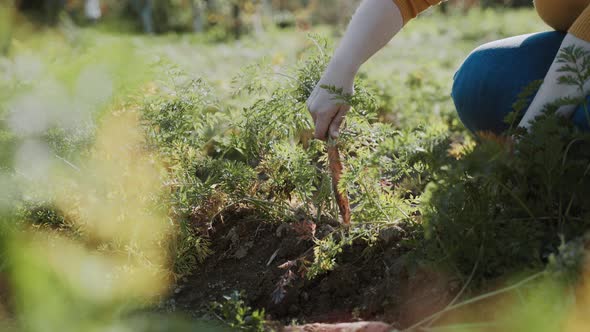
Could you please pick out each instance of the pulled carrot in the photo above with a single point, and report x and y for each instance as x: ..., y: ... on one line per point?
x: 336, y: 168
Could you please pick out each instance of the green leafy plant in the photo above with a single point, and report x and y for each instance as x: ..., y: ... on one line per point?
x: 234, y: 312
x: 512, y: 198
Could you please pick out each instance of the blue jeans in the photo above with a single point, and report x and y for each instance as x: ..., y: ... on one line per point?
x: 490, y: 79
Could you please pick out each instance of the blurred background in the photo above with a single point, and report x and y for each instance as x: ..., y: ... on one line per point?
x: 231, y: 17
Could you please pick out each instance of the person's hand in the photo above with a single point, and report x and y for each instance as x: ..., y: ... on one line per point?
x: 326, y: 110
x: 372, y: 26
x: 553, y: 89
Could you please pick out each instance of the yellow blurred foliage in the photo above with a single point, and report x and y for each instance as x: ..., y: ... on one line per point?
x: 111, y: 200
x: 578, y: 319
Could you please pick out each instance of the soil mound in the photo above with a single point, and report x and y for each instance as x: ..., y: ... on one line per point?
x: 369, y: 282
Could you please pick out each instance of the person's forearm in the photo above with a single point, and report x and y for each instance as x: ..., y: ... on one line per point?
x: 551, y: 90
x: 372, y: 26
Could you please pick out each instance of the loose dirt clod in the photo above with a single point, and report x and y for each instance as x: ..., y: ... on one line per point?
x: 336, y: 169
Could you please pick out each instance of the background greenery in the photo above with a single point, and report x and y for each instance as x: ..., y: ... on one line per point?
x: 228, y: 18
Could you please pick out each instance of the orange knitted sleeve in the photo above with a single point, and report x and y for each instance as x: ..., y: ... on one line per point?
x: 581, y: 27
x: 411, y: 8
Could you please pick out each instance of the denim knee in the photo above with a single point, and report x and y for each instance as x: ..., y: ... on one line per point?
x: 468, y: 87
x: 488, y: 82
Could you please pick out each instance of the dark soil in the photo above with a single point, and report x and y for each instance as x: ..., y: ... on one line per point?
x: 369, y: 283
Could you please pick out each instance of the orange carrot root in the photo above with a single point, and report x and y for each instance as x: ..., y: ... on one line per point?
x: 336, y: 169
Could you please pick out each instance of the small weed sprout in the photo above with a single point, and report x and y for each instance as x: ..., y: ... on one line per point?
x: 234, y: 312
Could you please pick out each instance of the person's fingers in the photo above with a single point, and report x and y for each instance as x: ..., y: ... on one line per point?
x: 337, y: 122
x: 322, y: 125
